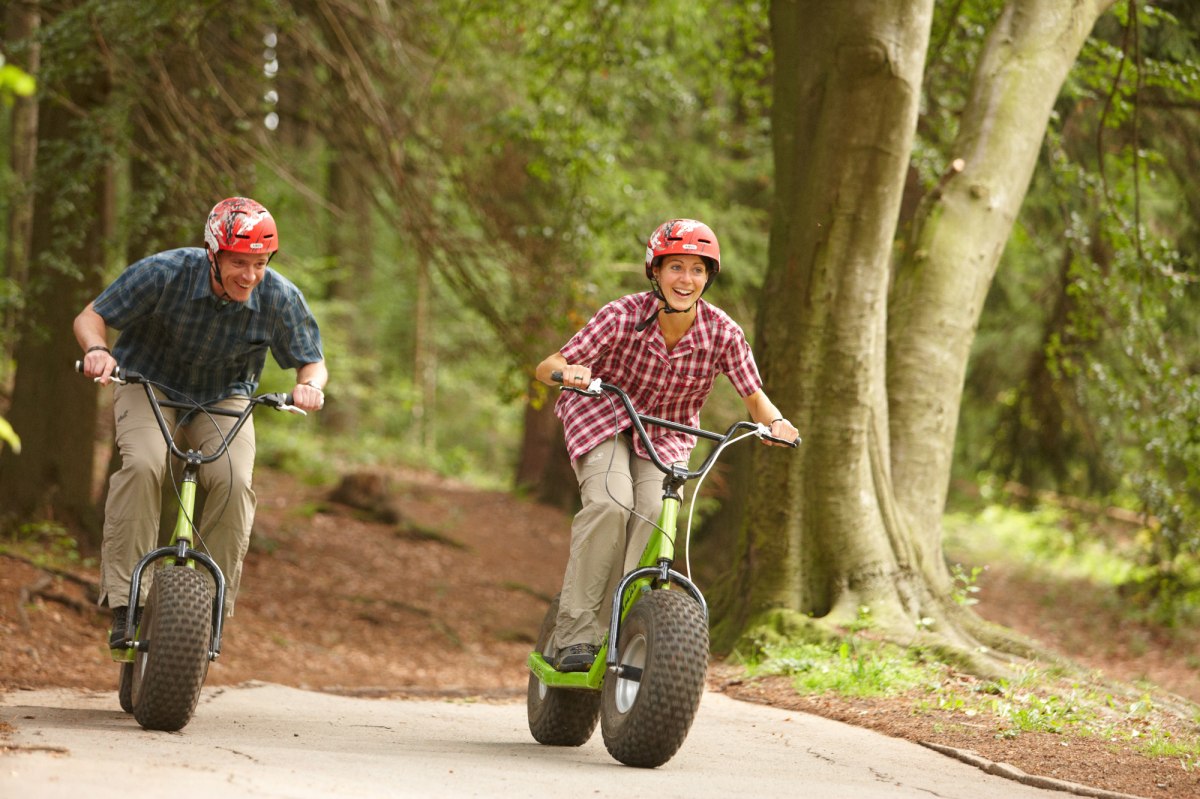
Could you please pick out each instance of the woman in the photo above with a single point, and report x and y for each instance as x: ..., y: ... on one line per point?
x: 664, y: 347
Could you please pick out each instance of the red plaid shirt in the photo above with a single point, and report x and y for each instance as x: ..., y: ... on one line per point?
x: 670, y: 386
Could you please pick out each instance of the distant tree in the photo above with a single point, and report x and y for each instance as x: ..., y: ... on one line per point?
x: 16, y: 88
x: 53, y: 410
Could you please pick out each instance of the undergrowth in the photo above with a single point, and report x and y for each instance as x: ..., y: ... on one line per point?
x: 1039, y: 699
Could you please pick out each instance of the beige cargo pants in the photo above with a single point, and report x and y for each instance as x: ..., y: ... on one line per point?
x: 131, y: 514
x: 606, y: 539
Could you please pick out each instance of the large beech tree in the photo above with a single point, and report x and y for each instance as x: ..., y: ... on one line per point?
x: 867, y: 348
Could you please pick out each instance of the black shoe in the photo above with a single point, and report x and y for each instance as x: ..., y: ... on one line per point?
x: 576, y: 657
x: 116, y: 633
x: 120, y: 619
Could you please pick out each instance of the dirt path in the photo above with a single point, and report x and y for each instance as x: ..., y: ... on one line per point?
x: 437, y: 590
x: 268, y: 740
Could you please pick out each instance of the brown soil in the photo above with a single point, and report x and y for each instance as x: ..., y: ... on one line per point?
x: 440, y: 588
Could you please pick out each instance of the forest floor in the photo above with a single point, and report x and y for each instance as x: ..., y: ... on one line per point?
x: 431, y: 588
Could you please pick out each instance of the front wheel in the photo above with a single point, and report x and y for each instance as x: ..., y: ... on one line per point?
x: 559, y: 716
x: 177, y: 630
x: 648, y: 709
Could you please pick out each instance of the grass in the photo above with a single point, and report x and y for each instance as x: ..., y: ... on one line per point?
x: 1040, y: 700
x: 1043, y: 543
x: 851, y: 667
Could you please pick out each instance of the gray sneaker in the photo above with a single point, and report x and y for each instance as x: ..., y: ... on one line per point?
x: 576, y: 657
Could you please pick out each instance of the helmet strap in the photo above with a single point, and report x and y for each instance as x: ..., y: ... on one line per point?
x: 665, y: 308
x: 215, y: 270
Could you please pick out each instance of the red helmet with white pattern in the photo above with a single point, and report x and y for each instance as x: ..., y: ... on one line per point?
x: 684, y: 237
x: 239, y: 224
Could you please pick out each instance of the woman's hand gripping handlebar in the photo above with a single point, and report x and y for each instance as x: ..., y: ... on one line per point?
x: 597, y: 387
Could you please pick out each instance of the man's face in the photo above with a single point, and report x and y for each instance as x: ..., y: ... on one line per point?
x: 240, y: 273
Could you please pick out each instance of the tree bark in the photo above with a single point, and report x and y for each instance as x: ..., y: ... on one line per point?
x: 959, y: 235
x: 21, y: 24
x: 853, y: 525
x: 543, y: 467
x: 816, y: 539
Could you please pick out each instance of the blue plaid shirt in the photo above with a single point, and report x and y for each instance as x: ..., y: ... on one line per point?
x: 175, y: 331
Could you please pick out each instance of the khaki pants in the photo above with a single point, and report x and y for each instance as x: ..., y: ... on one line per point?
x: 606, y: 539
x: 131, y: 515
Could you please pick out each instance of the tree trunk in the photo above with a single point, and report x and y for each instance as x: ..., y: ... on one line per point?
x: 543, y: 468
x: 959, y: 235
x: 818, y: 535
x: 53, y: 408
x: 21, y: 24
x: 852, y: 523
x: 350, y: 253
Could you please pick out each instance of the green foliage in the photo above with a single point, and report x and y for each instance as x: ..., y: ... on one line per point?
x: 965, y: 584
x: 9, y: 436
x: 1052, y: 544
x: 1035, y: 700
x: 45, y: 544
x: 851, y: 668
x: 1082, y: 378
x: 852, y: 665
x: 1045, y: 540
x: 14, y: 81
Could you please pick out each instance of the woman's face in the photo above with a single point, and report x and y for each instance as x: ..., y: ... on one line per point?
x: 682, y: 279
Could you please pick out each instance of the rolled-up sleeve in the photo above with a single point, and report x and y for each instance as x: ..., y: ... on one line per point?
x: 296, y: 339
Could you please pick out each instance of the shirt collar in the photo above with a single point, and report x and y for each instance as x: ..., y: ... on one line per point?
x: 697, y: 337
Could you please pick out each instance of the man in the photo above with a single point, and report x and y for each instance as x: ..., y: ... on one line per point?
x: 199, y: 322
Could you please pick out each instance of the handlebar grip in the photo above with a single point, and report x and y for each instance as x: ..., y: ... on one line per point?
x: 119, y: 374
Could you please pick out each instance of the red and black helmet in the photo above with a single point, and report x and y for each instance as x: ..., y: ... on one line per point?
x: 239, y: 224
x: 684, y: 237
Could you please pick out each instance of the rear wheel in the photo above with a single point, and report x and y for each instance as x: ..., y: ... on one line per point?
x: 647, y: 711
x: 559, y: 716
x: 172, y: 661
x: 125, y: 687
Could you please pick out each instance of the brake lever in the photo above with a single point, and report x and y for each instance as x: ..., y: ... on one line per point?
x: 282, y: 402
x: 593, y: 389
x: 115, y: 377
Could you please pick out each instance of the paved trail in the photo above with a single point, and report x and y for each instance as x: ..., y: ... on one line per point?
x: 263, y: 740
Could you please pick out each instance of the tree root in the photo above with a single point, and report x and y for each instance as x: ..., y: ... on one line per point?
x: 40, y: 589
x: 91, y: 586
x: 957, y: 637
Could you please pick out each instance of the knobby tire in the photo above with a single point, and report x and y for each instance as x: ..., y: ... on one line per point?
x: 125, y: 687
x: 645, y: 721
x: 559, y: 716
x: 177, y: 625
